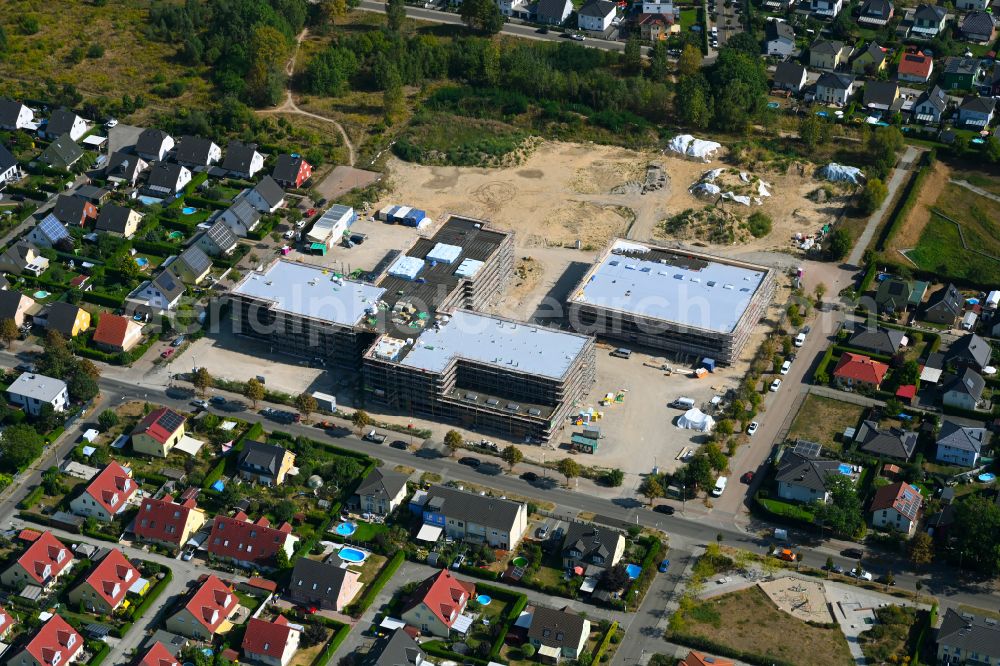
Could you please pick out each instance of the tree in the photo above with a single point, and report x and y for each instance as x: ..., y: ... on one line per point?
x: 201, y: 380
x: 883, y: 146
x: 281, y: 560
x: 820, y: 291
x: 890, y: 580
x: 633, y: 54
x: 284, y: 511
x: 482, y: 15
x: 453, y: 440
x: 512, y: 455
x: 82, y: 387
x: 759, y: 224
x: 395, y: 14
x: 306, y: 404
x: 361, y: 420
x: 838, y: 245
x: 614, y: 578
x: 8, y: 331
x: 659, y: 62
x: 19, y: 446
x: 744, y: 42
x: 843, y: 512
x: 739, y: 85
x: 393, y: 100
x: 689, y: 62
x: 253, y: 391
x: 873, y: 195
x: 992, y: 147
x: 3, y: 40
x: 107, y: 420
x: 814, y: 131
x: 314, y: 634
x: 268, y: 52
x: 920, y: 549
x: 528, y: 650
x: 716, y: 458
x: 909, y: 373
x: 568, y: 468
x: 651, y: 489
x: 693, y: 101
x: 126, y: 266
x: 52, y: 481
x: 698, y: 473
x: 614, y: 478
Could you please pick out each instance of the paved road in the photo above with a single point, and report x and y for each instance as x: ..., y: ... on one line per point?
x: 902, y: 169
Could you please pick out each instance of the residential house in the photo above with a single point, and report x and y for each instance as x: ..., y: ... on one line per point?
x: 168, y: 523
x: 62, y: 153
x: 266, y: 464
x: 207, y: 611
x: 94, y: 194
x: 882, y: 96
x: 194, y: 152
x: 915, y: 67
x: 826, y: 8
x: 469, y: 516
x: 159, y: 655
x: 701, y: 659
x: 167, y: 179
x: 105, y: 587
x: 964, y: 391
x: 790, y: 76
x: 928, y: 21
x: 14, y: 115
x: 107, y: 494
x: 824, y: 54
x: 397, y: 649
x: 154, y: 145
x: 48, y: 232
x: 270, y: 643
x: 436, y: 606
x: 886, y: 341
x: 241, y: 218
x: 869, y: 61
x: 159, y: 295
x: 63, y: 121
x: 32, y: 391
x: 859, y: 371
x: 6, y: 623
x: 654, y: 27
x: 834, y: 88
x: 193, y: 265
x: 553, y: 12
x: 381, y: 492
x: 66, y: 319
x: 804, y: 478
x: 959, y: 73
x: 267, y: 196
x: 119, y: 220
x: 593, y: 547
x: 930, y: 106
x: 55, y: 644
x: 892, y: 443
x: 896, y: 507
x: 117, y: 334
x: 249, y: 543
x: 968, y: 639
x: 322, y: 585
x: 219, y: 239
x: 74, y: 211
x: 15, y: 305
x: 961, y: 445
x: 662, y: 7
x: 125, y: 167
x: 979, y: 27
x: 976, y: 112
x: 158, y: 432
x: 779, y: 39
x: 972, y: 5
x: 242, y: 159
x: 596, y: 15
x: 558, y: 634
x: 42, y: 562
x: 9, y: 171
x: 291, y: 171
x: 944, y: 307
x: 23, y: 257
x: 875, y: 13
x: 969, y: 350
x: 893, y: 295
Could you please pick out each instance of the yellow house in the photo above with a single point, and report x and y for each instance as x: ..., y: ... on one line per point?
x: 70, y: 320
x: 207, y: 611
x: 168, y: 523
x: 158, y: 433
x: 104, y: 588
x: 870, y: 61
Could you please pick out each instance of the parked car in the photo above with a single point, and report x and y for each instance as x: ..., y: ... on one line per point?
x: 530, y: 477
x: 853, y: 553
x: 752, y: 428
x: 375, y: 437
x: 200, y: 404
x: 665, y: 509
x: 288, y: 235
x: 188, y: 554
x: 178, y: 341
x: 861, y: 574
x: 785, y: 367
x: 664, y: 565
x: 167, y: 353
x: 544, y: 30
x: 542, y: 532
x: 747, y: 478
x: 459, y: 561
x: 399, y: 444
x: 217, y: 400
x: 578, y: 37
x: 111, y: 123
x: 474, y: 463
x: 775, y: 385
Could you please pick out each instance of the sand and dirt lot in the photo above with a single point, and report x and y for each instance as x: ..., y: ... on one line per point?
x: 908, y: 235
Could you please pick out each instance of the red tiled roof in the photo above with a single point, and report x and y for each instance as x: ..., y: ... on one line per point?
x: 162, y: 519
x: 444, y: 595
x: 55, y: 637
x: 45, y: 552
x: 154, y: 424
x: 860, y: 368
x: 906, y: 391
x: 79, y: 281
x: 262, y: 584
x: 112, y: 488
x: 212, y: 603
x: 901, y: 496
x: 112, y: 577
x: 916, y: 64
x: 702, y: 659
x: 655, y: 18
x: 246, y: 541
x: 266, y: 638
x: 112, y: 329
x: 159, y: 655
x: 6, y: 620
x: 28, y: 535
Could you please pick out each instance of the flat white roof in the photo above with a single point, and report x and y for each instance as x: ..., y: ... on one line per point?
x: 712, y: 298
x: 39, y: 387
x: 478, y: 337
x: 311, y: 291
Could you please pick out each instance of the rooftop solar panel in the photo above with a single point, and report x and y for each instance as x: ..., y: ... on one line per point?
x: 171, y: 420
x: 807, y: 449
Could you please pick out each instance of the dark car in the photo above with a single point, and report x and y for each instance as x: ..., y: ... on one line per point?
x: 747, y: 478
x: 664, y: 508
x: 470, y: 461
x: 530, y: 477
x: 217, y: 400
x: 399, y: 444
x: 544, y: 30
x: 853, y: 553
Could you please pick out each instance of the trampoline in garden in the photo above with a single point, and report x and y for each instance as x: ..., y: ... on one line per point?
x: 633, y: 571
x: 219, y: 486
x: 519, y: 561
x: 346, y: 529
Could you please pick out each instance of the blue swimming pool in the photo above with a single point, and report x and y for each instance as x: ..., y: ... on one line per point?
x: 773, y: 105
x: 633, y: 571
x: 822, y: 114
x: 142, y: 261
x: 845, y: 469
x: 986, y: 478
x: 189, y: 210
x: 149, y: 201
x: 484, y: 599
x: 979, y: 139
x: 345, y: 529
x: 353, y: 555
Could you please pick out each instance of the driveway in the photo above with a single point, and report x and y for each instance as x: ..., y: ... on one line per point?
x: 122, y: 137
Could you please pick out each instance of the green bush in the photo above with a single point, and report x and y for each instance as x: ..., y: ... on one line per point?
x: 603, y: 646
x: 759, y: 224
x: 32, y: 498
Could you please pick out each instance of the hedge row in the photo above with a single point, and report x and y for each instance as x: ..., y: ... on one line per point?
x: 707, y: 644
x: 31, y: 499
x: 194, y: 199
x: 649, y: 569
x: 437, y: 649
x: 603, y: 647
x: 117, y: 358
x: 99, y: 298
x: 357, y: 608
x: 102, y: 650
x: 326, y: 655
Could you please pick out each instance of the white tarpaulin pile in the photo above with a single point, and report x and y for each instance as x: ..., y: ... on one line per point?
x: 707, y: 189
x: 840, y: 173
x: 695, y: 419
x: 710, y: 176
x: 738, y: 198
x: 744, y: 176
x: 762, y: 189
x: 687, y: 145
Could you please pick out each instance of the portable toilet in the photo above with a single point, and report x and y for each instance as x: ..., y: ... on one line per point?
x: 708, y: 364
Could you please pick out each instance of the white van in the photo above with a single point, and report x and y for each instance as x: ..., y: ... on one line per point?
x: 800, y: 339
x: 720, y: 487
x: 683, y: 403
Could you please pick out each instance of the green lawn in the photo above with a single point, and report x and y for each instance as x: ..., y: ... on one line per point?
x: 368, y: 531
x: 787, y: 509
x: 940, y: 249
x: 688, y: 18
x: 822, y: 420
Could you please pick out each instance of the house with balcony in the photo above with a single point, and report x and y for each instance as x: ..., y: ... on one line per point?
x: 593, y: 547
x: 468, y: 516
x: 961, y: 445
x: 437, y: 606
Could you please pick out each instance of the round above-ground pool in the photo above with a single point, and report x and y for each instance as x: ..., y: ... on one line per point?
x: 986, y: 478
x: 345, y: 529
x: 633, y: 571
x: 41, y: 293
x: 353, y: 555
x: 189, y: 210
x: 141, y: 261
x: 484, y: 599
x: 519, y: 561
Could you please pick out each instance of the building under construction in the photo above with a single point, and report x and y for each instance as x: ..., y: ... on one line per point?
x: 690, y: 304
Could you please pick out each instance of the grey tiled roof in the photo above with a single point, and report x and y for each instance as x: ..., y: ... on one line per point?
x: 970, y: 633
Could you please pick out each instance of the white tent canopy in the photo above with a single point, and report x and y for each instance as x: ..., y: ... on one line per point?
x: 710, y: 189
x: 430, y: 533
x: 695, y: 419
x: 687, y: 145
